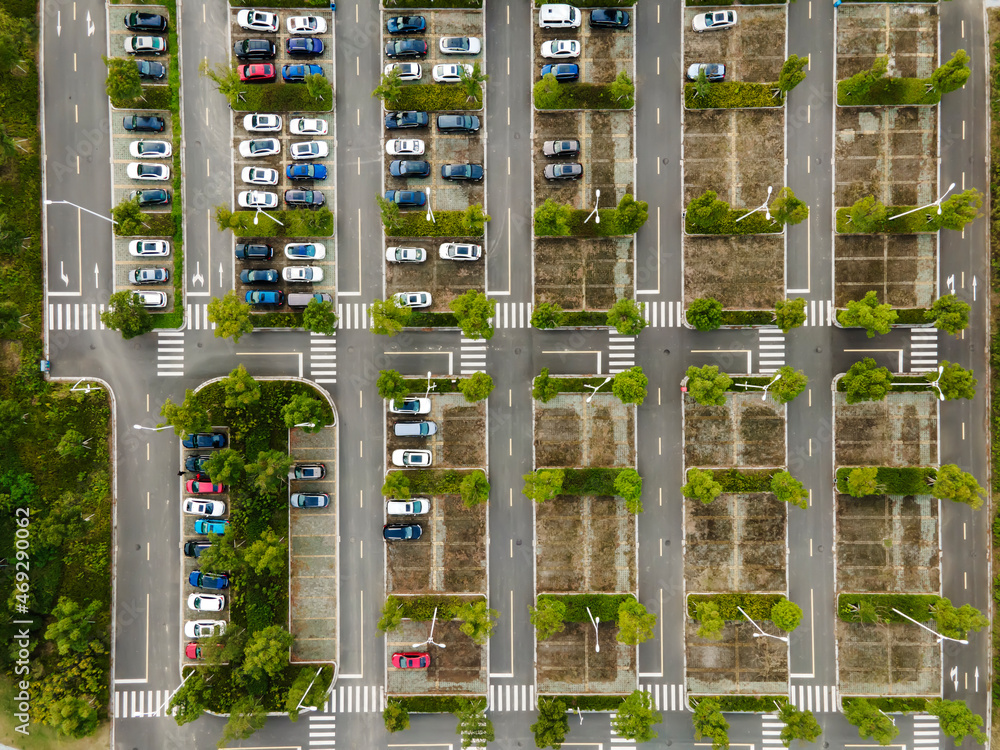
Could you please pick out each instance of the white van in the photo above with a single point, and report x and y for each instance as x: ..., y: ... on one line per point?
x: 559, y: 16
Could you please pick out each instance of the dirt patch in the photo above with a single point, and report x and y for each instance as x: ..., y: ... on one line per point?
x: 901, y: 268
x: 899, y: 431
x: 743, y: 273
x: 581, y: 274
x: 444, y: 279
x: 745, y: 431
x: 739, y: 664
x: 572, y: 433
x: 888, y: 659
x: 568, y: 663
x: 753, y: 50
x: 458, y: 669
x: 908, y: 34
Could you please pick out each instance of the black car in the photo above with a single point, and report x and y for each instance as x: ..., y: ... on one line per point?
x: 251, y: 251
x: 144, y: 123
x: 471, y: 172
x: 259, y: 276
x: 154, y: 197
x: 304, y: 46
x: 406, y: 48
x: 563, y: 172
x: 458, y: 123
x: 609, y: 18
x: 402, y: 120
x: 409, y: 168
x: 309, y: 198
x: 194, y: 549
x: 196, y: 462
x: 145, y: 22
x: 150, y: 71
x: 254, y: 49
x: 406, y: 25
x: 205, y: 440
x: 406, y: 198
x: 401, y: 531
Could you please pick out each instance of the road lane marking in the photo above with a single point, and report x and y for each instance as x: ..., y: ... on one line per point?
x: 204, y: 17
x: 359, y: 166
x: 510, y: 397
x: 511, y: 497
x: 147, y: 501
x: 74, y: 62
x: 661, y: 496
x: 809, y: 113
x: 508, y: 66
x: 359, y: 117
x: 508, y: 166
x: 657, y: 115
x: 809, y: 61
x: 508, y: 15
x: 508, y: 115
x: 659, y: 446
x: 147, y: 403
x: 510, y: 446
x: 511, y: 549
x: 78, y: 164
x: 355, y: 13
x: 810, y: 10
x: 963, y: 130
x: 657, y: 12
x: 357, y: 66
x: 76, y: 113
x: 658, y: 401
x: 810, y: 447
x: 362, y: 547
x: 361, y: 448
x: 810, y: 397
x: 661, y: 546
x: 657, y: 65
x: 361, y: 399
x: 206, y: 115
x: 361, y: 499
x: 208, y: 168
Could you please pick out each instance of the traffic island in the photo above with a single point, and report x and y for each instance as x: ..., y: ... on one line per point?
x: 901, y: 430
x: 745, y: 431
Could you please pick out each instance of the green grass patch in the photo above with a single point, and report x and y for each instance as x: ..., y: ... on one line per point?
x: 604, y: 606
x: 432, y: 320
x: 174, y: 319
x: 732, y: 95
x: 283, y: 97
x: 889, y: 92
x: 278, y: 320
x: 579, y: 227
x: 757, y: 223
x: 901, y: 384
x: 584, y: 318
x: 917, y: 606
x: 437, y: 481
x: 747, y: 317
x: 755, y: 704
x: 430, y: 704
x: 431, y: 97
x: 438, y: 385
x: 317, y: 4
x: 578, y: 385
x: 294, y: 223
x: 590, y: 482
x: 910, y: 481
x: 892, y: 705
x: 911, y: 316
x: 758, y: 606
x: 589, y: 3
x: 750, y: 380
x: 591, y: 702
x: 916, y: 223
x: 582, y: 95
x: 421, y: 608
x: 744, y: 480
x: 446, y: 224
x: 431, y: 5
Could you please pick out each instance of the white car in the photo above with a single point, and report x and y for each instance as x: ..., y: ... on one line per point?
x: 560, y: 49
x: 259, y: 176
x: 308, y: 126
x: 260, y: 147
x: 257, y: 199
x: 408, y: 71
x: 415, y: 506
x: 148, y: 248
x: 257, y: 20
x: 410, y: 406
x: 447, y: 73
x: 413, y: 299
x: 305, y: 251
x: 407, y: 458
x: 460, y: 45
x: 262, y: 123
x: 145, y: 45
x: 204, y: 628
x: 309, y: 150
x: 404, y: 147
x: 460, y: 251
x: 152, y: 300
x: 714, y: 20
x: 138, y: 170
x: 195, y: 506
x: 311, y: 274
x: 207, y: 602
x: 150, y: 149
x: 306, y: 25
x: 405, y: 254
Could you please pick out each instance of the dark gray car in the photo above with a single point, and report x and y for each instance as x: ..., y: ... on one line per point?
x: 563, y: 171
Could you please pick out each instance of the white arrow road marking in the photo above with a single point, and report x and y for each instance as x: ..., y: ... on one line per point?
x: 220, y: 274
x: 58, y: 23
x: 97, y: 274
x: 198, y: 278
x: 62, y: 273
x: 90, y: 25
x: 977, y: 679
x: 951, y: 283
x: 954, y: 675
x: 974, y: 288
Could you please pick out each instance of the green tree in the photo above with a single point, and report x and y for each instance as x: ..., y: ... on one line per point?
x: 389, y: 88
x: 395, y: 716
x: 231, y: 316
x: 478, y: 621
x: 956, y: 622
x: 549, y: 618
x: 544, y: 388
x: 631, y: 214
x: 476, y: 387
x: 190, y: 700
x: 72, y: 716
x: 73, y: 625
x: 712, y: 622
x: 863, y: 481
x: 240, y: 388
x: 630, y: 385
x: 224, y: 466
x: 474, y: 489
x: 790, y: 385
x: 319, y: 317
x: 949, y: 314
x: 474, y: 726
x: 552, y: 726
x: 786, y: 615
x: 11, y: 236
x: 268, y: 554
x: 954, y: 484
x: 701, y: 485
x: 127, y: 314
x: 635, y: 624
x: 397, y: 485
x: 553, y: 218
x: 957, y: 720
x: 473, y: 311
x: 392, y: 386
x: 622, y: 89
x: 543, y: 484
x: 267, y: 652
x: 788, y: 489
x: 960, y: 209
x: 790, y: 313
x: 389, y: 317
x: 799, y: 725
x: 952, y: 75
x: 392, y: 615
x: 860, y: 84
x: 246, y: 716
x: 130, y: 218
x: 123, y: 84
x: 871, y: 722
x: 628, y: 486
x: 546, y: 316
x: 626, y: 317
x: 867, y: 215
x: 635, y: 717
x: 546, y: 92
x: 14, y: 35
x: 305, y: 410
x: 318, y: 88
x: 222, y: 556
x: 702, y: 86
x: 269, y: 471
x: 709, y: 722
x: 705, y: 314
x: 955, y: 381
x: 71, y: 445
x: 866, y: 382
x: 188, y: 417
x: 704, y: 213
x: 792, y: 73
x: 867, y: 313
x: 474, y: 220
x: 390, y: 214
x: 297, y: 699
x: 707, y: 386
x: 226, y: 79
x: 472, y: 82
x: 786, y: 208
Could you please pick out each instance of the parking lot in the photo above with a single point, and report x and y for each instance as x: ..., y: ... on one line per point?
x: 124, y: 264
x: 753, y: 50
x: 444, y: 279
x: 279, y: 262
x: 122, y: 185
x: 439, y: 23
x: 281, y: 37
x: 117, y: 34
x: 907, y: 33
x: 900, y: 268
x: 582, y: 274
x: 460, y: 441
x: 603, y: 52
x: 743, y: 272
x: 459, y: 669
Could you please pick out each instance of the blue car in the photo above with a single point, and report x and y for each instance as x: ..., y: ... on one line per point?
x: 406, y: 198
x: 265, y: 298
x: 205, y: 440
x: 304, y: 46
x: 208, y: 580
x: 305, y: 172
x: 406, y: 25
x: 298, y: 73
x: 210, y: 526
x: 259, y: 276
x: 195, y: 463
x: 401, y: 120
x: 563, y: 72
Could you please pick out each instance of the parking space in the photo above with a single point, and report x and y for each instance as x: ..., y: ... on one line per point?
x: 583, y: 274
x: 121, y: 139
x: 603, y: 52
x: 125, y: 264
x: 440, y: 23
x: 118, y: 34
x: 444, y: 279
x: 279, y: 262
x: 753, y: 50
x: 460, y: 441
x: 280, y: 39
x: 907, y: 33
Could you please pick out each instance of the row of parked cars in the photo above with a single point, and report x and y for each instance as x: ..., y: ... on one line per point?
x: 409, y: 458
x: 297, y: 274
x: 301, y: 44
x: 145, y: 43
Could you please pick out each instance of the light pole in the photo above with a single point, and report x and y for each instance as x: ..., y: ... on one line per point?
x: 764, y: 387
x: 309, y: 708
x: 305, y: 424
x: 762, y: 207
x: 936, y: 383
x: 597, y: 388
x: 86, y: 389
x: 597, y: 201
x: 256, y: 217
x: 597, y: 636
x: 935, y: 203
x: 152, y: 429
x: 760, y: 633
x: 429, y: 386
x: 430, y: 214
x: 171, y: 695
x: 932, y: 632
x: 430, y: 638
x: 94, y: 213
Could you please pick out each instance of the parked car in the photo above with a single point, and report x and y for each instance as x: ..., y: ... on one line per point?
x: 457, y: 123
x: 409, y: 168
x: 194, y: 506
x: 561, y: 148
x: 406, y: 25
x: 412, y: 458
x: 148, y: 276
x: 145, y: 45
x: 306, y: 472
x: 150, y: 71
x: 210, y: 526
x: 150, y: 149
x: 305, y: 172
x: 400, y: 48
x: 460, y: 45
x: 713, y: 71
x: 254, y: 49
x: 297, y: 73
x: 714, y: 20
x: 204, y: 628
x: 260, y: 175
x: 304, y: 198
x: 308, y: 126
x: 304, y: 46
x: 206, y: 602
x: 410, y: 406
x: 205, y: 440
x: 462, y: 172
x: 148, y: 248
x: 257, y: 73
x: 411, y: 660
x: 194, y: 549
x: 257, y: 20
x: 563, y: 72
x: 253, y: 251
x: 152, y: 300
x: 257, y: 199
x: 408, y: 71
x: 561, y: 49
x: 309, y: 500
x: 259, y: 276
x: 305, y: 251
x: 193, y: 651
x: 307, y: 274
x: 256, y: 123
x: 558, y: 16
x: 144, y: 123
x: 145, y: 22
x: 260, y: 147
x: 306, y: 25
x: 415, y: 506
x: 392, y: 532
x: 609, y: 18
x: 259, y: 297
x: 404, y: 147
x: 563, y: 171
x: 146, y: 198
x: 196, y: 462
x: 309, y: 150
x: 403, y: 120
x: 406, y: 198
x: 460, y: 251
x: 414, y: 429
x: 201, y: 580
x: 449, y: 73
x: 405, y: 254
x: 204, y: 488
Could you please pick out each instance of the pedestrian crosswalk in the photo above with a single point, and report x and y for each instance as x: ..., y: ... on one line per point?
x: 621, y: 352
x: 926, y: 732
x: 142, y: 704
x: 617, y: 741
x: 513, y: 315
x: 75, y: 316
x: 770, y: 730
x: 170, y: 354
x: 669, y: 697
x: 322, y: 730
x: 197, y: 317
x: 771, y: 342
x: 511, y: 698
x: 352, y: 315
x: 323, y: 357
x: 664, y: 314
x: 472, y: 356
x: 815, y: 698
x: 923, y: 350
x: 819, y: 312
x: 355, y: 699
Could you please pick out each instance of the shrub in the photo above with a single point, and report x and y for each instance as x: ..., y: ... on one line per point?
x: 864, y: 381
x: 630, y: 385
x: 476, y: 387
x: 475, y: 489
x: 433, y: 97
x: 705, y: 314
x: 701, y: 486
x: 627, y: 317
x: 788, y: 489
x: 867, y: 313
x: 712, y: 624
x: 732, y: 95
x: 628, y: 486
x: 786, y: 615
x: 544, y: 388
x: 707, y: 386
x: 547, y: 316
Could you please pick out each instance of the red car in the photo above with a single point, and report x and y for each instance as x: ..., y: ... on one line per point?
x: 411, y: 661
x: 257, y: 73
x: 192, y: 651
x: 204, y: 488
